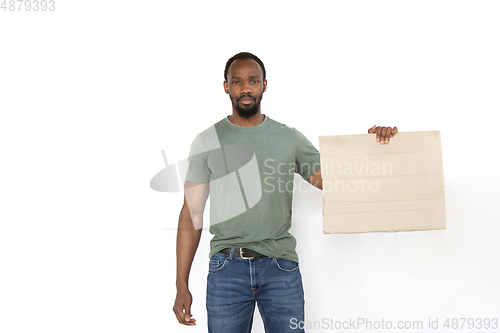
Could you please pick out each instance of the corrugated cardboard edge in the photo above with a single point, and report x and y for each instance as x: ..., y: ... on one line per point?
x: 379, y: 231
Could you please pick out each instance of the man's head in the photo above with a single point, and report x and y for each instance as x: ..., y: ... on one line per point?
x: 245, y: 82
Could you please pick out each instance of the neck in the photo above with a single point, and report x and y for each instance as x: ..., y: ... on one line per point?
x: 246, y: 122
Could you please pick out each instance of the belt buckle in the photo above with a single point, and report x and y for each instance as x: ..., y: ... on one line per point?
x: 241, y: 254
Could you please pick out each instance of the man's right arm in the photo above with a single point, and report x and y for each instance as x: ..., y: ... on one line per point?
x: 188, y: 237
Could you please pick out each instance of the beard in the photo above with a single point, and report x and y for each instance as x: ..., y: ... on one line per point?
x: 246, y: 111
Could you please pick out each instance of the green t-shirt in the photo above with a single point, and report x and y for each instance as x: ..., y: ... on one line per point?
x: 250, y: 171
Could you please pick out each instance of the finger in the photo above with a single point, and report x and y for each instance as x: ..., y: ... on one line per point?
x: 189, y: 320
x: 377, y: 130
x: 179, y: 319
x: 383, y: 135
x: 372, y: 130
x: 394, y: 131
x: 188, y: 315
x: 179, y: 313
x: 388, y: 134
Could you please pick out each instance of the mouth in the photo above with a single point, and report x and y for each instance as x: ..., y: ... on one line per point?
x: 246, y: 100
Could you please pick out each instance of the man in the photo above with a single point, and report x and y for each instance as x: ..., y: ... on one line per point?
x: 247, y: 162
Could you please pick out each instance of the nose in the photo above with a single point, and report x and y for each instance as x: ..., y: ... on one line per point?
x: 245, y: 88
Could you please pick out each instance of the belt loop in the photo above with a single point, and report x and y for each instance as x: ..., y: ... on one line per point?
x: 231, y: 254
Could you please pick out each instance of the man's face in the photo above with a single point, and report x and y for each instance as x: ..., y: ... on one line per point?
x: 245, y: 86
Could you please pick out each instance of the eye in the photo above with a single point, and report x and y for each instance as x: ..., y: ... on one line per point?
x: 255, y: 81
x: 236, y: 82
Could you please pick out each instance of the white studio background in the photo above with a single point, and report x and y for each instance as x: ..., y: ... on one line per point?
x: 92, y: 92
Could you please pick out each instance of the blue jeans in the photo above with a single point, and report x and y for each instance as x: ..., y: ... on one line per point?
x: 234, y: 285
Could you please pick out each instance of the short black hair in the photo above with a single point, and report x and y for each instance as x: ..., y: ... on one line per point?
x: 242, y: 56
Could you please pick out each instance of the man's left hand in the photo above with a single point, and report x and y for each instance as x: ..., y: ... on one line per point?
x: 384, y: 134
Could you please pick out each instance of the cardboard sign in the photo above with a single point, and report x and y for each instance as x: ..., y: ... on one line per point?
x: 369, y: 187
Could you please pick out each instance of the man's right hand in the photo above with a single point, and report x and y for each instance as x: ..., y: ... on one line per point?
x: 182, y: 307
x: 188, y: 238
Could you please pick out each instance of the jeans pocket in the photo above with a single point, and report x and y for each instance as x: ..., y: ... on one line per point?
x: 217, y: 263
x: 285, y: 265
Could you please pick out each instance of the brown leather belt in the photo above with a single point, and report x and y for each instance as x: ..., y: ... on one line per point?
x: 242, y: 252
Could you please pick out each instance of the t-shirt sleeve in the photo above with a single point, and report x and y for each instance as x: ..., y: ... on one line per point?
x: 198, y: 170
x: 307, y: 160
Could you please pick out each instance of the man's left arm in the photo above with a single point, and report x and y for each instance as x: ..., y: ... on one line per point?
x: 383, y: 135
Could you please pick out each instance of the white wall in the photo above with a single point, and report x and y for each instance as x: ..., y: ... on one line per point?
x: 92, y: 92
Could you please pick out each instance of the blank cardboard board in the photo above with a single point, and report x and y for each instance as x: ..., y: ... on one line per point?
x: 369, y: 187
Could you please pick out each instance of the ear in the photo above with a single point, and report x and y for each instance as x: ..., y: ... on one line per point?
x: 265, y: 85
x: 225, y: 87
